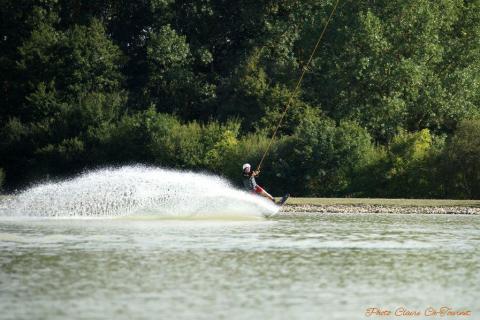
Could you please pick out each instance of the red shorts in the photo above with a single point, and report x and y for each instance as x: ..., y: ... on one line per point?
x: 258, y: 189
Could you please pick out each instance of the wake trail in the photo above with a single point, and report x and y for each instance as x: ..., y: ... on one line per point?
x: 136, y: 191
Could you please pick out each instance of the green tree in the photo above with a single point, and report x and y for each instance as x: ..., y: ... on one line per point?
x: 172, y: 85
x: 462, y: 161
x: 389, y: 77
x: 17, y: 20
x: 72, y: 84
x: 397, y: 64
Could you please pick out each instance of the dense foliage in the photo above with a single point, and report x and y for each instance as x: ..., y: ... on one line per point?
x: 390, y: 106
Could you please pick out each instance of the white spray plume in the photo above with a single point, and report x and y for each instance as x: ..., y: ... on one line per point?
x: 137, y: 190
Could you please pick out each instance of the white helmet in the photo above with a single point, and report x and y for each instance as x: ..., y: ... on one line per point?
x: 246, y: 165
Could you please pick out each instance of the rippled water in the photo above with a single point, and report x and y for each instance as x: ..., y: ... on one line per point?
x: 324, y: 266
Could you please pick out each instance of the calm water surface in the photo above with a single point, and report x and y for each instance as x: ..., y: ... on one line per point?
x: 324, y: 266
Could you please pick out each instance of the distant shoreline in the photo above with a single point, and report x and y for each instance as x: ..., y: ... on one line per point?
x: 375, y: 205
x: 369, y: 205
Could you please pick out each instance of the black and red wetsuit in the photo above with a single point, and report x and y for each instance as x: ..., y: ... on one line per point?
x: 250, y: 184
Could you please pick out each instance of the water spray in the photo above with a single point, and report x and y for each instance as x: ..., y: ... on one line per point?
x: 137, y: 191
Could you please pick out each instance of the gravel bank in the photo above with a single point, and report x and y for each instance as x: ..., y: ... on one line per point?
x: 381, y: 209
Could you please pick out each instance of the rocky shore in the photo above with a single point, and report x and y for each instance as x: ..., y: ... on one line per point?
x: 373, y: 208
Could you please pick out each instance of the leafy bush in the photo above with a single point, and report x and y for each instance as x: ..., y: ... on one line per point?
x: 408, y: 167
x: 321, y: 158
x: 411, y: 156
x: 193, y: 145
x: 2, y: 178
x: 462, y: 161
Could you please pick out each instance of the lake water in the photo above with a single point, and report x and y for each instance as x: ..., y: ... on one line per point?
x: 315, y: 266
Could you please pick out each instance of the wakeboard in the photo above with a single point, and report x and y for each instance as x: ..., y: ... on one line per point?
x: 280, y: 203
x: 283, y: 199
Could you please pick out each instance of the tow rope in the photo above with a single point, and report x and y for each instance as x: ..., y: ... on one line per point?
x: 297, y: 87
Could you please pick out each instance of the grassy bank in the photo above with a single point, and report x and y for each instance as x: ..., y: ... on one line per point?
x: 384, y: 202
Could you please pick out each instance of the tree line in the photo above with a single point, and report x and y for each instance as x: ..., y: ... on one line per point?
x: 390, y: 106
